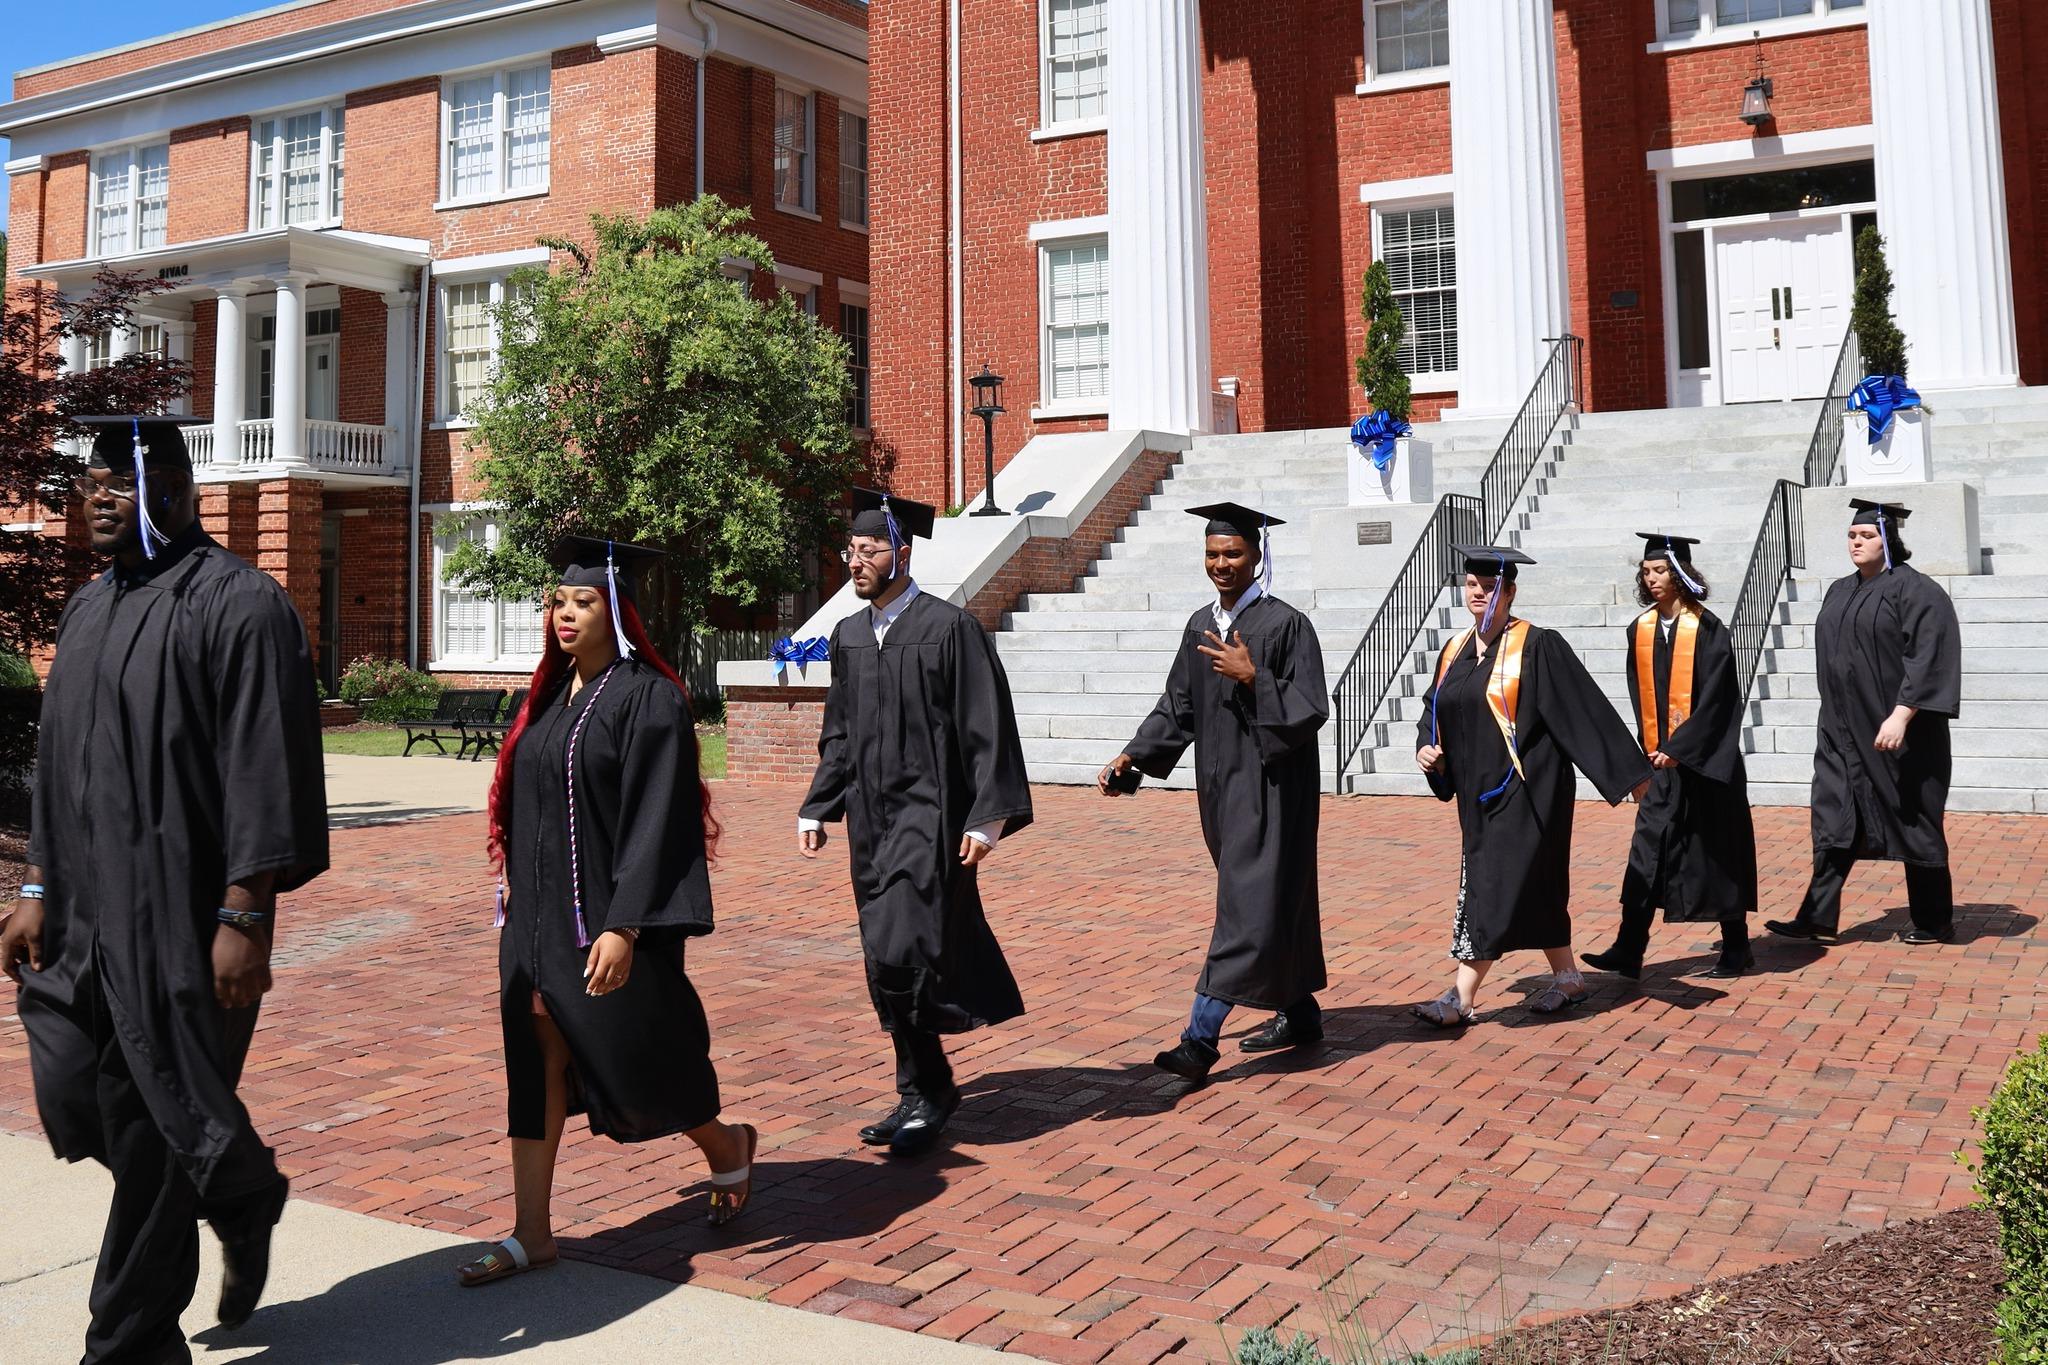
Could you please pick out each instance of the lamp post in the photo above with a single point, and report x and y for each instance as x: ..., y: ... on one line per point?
x: 1756, y: 96
x: 988, y: 401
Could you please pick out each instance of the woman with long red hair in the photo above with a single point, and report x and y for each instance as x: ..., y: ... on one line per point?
x: 601, y: 828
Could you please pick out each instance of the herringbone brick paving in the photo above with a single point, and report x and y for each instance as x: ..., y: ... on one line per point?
x: 1089, y: 1209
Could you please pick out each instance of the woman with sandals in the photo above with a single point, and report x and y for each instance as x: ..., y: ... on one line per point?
x: 600, y: 823
x: 1511, y: 713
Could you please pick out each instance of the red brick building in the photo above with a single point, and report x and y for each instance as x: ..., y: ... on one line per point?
x: 336, y: 191
x: 1147, y: 213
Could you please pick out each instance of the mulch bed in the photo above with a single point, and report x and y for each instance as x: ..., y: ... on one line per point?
x: 1916, y: 1293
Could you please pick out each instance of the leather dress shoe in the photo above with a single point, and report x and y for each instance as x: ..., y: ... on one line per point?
x: 1190, y: 1061
x: 1918, y: 936
x: 246, y: 1258
x: 925, y: 1120
x: 1616, y: 961
x: 1281, y: 1033
x: 1792, y: 928
x: 1730, y: 967
x: 878, y: 1133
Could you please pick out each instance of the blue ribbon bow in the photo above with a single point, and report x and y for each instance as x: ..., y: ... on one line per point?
x: 1375, y: 434
x: 1879, y: 396
x: 786, y: 651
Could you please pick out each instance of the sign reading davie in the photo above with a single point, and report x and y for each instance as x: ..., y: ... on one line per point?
x: 1375, y: 533
x: 173, y: 272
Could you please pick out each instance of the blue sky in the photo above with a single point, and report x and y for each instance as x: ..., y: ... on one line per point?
x: 38, y: 31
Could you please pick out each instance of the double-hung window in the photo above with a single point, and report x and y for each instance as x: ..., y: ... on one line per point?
x: 1418, y: 243
x: 1696, y: 18
x: 296, y: 169
x: 1074, y: 61
x: 470, y: 340
x: 794, y: 141
x: 853, y: 330
x: 1406, y: 36
x: 853, y: 168
x: 131, y: 199
x: 471, y: 630
x: 1074, y: 313
x: 495, y: 134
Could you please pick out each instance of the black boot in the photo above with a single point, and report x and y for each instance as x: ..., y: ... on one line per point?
x: 1736, y: 958
x: 878, y: 1133
x: 922, y: 1124
x: 1190, y: 1061
x: 1617, y: 960
x: 1799, y: 928
x: 246, y: 1257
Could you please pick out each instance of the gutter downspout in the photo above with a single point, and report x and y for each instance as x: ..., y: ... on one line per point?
x: 415, y: 426
x: 956, y: 360
x: 705, y: 49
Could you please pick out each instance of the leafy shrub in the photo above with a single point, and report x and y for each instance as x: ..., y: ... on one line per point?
x: 16, y: 671
x: 1882, y: 343
x: 1261, y: 1346
x: 2014, y: 1180
x: 388, y: 691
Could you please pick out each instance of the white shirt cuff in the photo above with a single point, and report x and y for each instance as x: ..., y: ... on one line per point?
x: 987, y: 834
x: 806, y: 825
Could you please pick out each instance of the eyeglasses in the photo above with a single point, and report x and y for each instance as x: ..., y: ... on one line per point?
x: 120, y: 486
x: 848, y: 555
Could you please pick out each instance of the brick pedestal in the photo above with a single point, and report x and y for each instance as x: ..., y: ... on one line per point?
x: 771, y: 733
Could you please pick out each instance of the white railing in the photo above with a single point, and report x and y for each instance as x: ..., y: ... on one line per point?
x: 259, y: 441
x: 199, y: 445
x: 347, y: 447
x: 1223, y: 407
x: 332, y: 447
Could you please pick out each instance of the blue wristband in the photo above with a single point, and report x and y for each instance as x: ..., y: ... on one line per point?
x: 31, y: 891
x: 242, y: 919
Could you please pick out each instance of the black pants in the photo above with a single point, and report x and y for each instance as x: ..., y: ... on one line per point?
x: 921, y: 1065
x: 1930, y: 893
x: 1634, y: 938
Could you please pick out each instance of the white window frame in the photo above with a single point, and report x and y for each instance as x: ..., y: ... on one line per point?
x: 1089, y: 405
x: 500, y: 130
x: 495, y: 269
x: 131, y: 242
x: 854, y: 294
x: 1825, y: 14
x: 807, y: 178
x: 805, y: 286
x: 1048, y: 126
x: 495, y: 660
x: 1377, y: 81
x: 1434, y: 381
x: 333, y: 161
x: 855, y: 223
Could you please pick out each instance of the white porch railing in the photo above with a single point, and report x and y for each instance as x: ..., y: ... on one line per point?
x: 330, y: 447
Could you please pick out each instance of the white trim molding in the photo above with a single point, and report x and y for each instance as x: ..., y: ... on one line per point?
x: 1822, y: 144
x: 1415, y: 187
x: 1079, y: 127
x: 786, y: 275
x: 490, y: 263
x: 1096, y: 225
x: 651, y: 35
x: 27, y: 165
x: 1823, y: 17
x: 853, y: 291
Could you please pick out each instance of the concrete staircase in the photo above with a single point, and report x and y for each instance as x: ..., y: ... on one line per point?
x: 1086, y: 666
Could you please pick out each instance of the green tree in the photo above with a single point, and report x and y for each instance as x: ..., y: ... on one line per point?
x: 1379, y: 369
x: 643, y: 394
x: 1877, y: 336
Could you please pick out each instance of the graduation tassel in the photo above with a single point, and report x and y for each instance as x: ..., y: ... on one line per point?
x: 895, y: 535
x: 498, y: 919
x: 151, y: 537
x: 611, y: 587
x: 1265, y: 556
x: 1884, y: 535
x: 1500, y: 570
x: 1671, y: 554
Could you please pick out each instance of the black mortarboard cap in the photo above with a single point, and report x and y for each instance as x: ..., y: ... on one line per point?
x: 870, y: 518
x: 1490, y: 561
x: 1664, y: 545
x: 1866, y: 512
x: 582, y: 561
x: 1235, y: 519
x: 163, y: 443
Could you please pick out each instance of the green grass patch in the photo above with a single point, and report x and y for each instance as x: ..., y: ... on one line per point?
x: 383, y: 741
x: 711, y: 753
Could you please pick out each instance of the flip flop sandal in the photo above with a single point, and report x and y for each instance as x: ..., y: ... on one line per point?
x: 1553, y: 1000
x: 728, y: 1202
x: 1443, y: 1011
x: 501, y: 1262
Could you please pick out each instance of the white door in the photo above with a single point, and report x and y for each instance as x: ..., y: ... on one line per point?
x: 322, y: 394
x: 1783, y: 298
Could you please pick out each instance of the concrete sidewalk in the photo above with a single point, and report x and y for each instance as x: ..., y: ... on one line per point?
x: 362, y: 790
x: 348, y: 1289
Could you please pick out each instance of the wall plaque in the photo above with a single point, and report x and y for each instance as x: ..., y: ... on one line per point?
x: 1375, y: 533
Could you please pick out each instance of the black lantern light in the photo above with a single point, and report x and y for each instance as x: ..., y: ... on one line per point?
x: 988, y: 401
x: 1756, y: 96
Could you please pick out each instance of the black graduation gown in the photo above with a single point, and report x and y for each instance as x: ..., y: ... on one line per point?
x: 1694, y: 851
x: 1258, y: 781
x: 1887, y: 641
x: 919, y: 745
x: 642, y: 1053
x: 179, y: 754
x: 1515, y: 887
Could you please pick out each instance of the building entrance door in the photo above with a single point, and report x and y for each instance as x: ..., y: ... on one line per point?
x: 1783, y: 294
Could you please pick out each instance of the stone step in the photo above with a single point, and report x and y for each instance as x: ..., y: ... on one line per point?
x: 1978, y: 741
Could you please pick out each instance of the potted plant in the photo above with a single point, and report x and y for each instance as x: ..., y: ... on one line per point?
x: 1886, y: 434
x: 1387, y: 464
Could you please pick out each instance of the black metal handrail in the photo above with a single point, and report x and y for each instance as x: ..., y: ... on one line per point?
x: 1382, y: 655
x: 1780, y: 547
x: 1824, y: 452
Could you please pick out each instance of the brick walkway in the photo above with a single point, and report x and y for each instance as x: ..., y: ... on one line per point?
x: 1433, y: 1185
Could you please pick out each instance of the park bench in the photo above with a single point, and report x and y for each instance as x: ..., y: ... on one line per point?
x: 489, y: 734
x: 457, y: 708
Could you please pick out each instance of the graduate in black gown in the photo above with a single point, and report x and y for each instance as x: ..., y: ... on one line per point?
x: 178, y: 792
x: 919, y: 753
x: 1694, y: 851
x: 1888, y: 655
x: 601, y: 823
x: 1246, y: 689
x: 1511, y: 713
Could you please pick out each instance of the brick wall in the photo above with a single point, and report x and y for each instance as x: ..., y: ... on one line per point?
x: 771, y: 733
x: 213, y: 158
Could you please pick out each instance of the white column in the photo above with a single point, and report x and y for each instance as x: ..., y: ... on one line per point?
x: 398, y: 347
x: 1941, y: 190
x: 1158, y: 220
x: 178, y: 343
x: 1507, y: 189
x: 230, y: 388
x: 76, y: 356
x: 127, y: 340
x: 288, y: 373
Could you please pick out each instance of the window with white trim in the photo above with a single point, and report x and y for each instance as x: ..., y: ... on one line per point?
x: 794, y: 110
x: 1074, y: 308
x: 1407, y: 35
x: 853, y: 330
x: 152, y: 339
x: 1418, y: 243
x: 472, y: 630
x: 295, y: 169
x: 469, y: 341
x: 1683, y: 18
x: 1074, y: 75
x: 131, y: 199
x: 853, y: 167
x: 495, y: 133
x: 99, y: 351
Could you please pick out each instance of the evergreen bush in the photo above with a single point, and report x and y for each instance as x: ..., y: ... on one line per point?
x: 2013, y: 1178
x: 1379, y: 369
x: 388, y: 691
x: 1882, y: 343
x: 1262, y: 1346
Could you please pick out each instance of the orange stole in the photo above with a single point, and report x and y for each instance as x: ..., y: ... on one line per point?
x: 1504, y: 687
x: 1684, y: 635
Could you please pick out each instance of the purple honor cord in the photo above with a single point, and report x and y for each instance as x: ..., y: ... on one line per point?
x: 575, y: 853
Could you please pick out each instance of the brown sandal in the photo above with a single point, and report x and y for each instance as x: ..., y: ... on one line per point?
x: 501, y: 1262
x: 730, y: 1190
